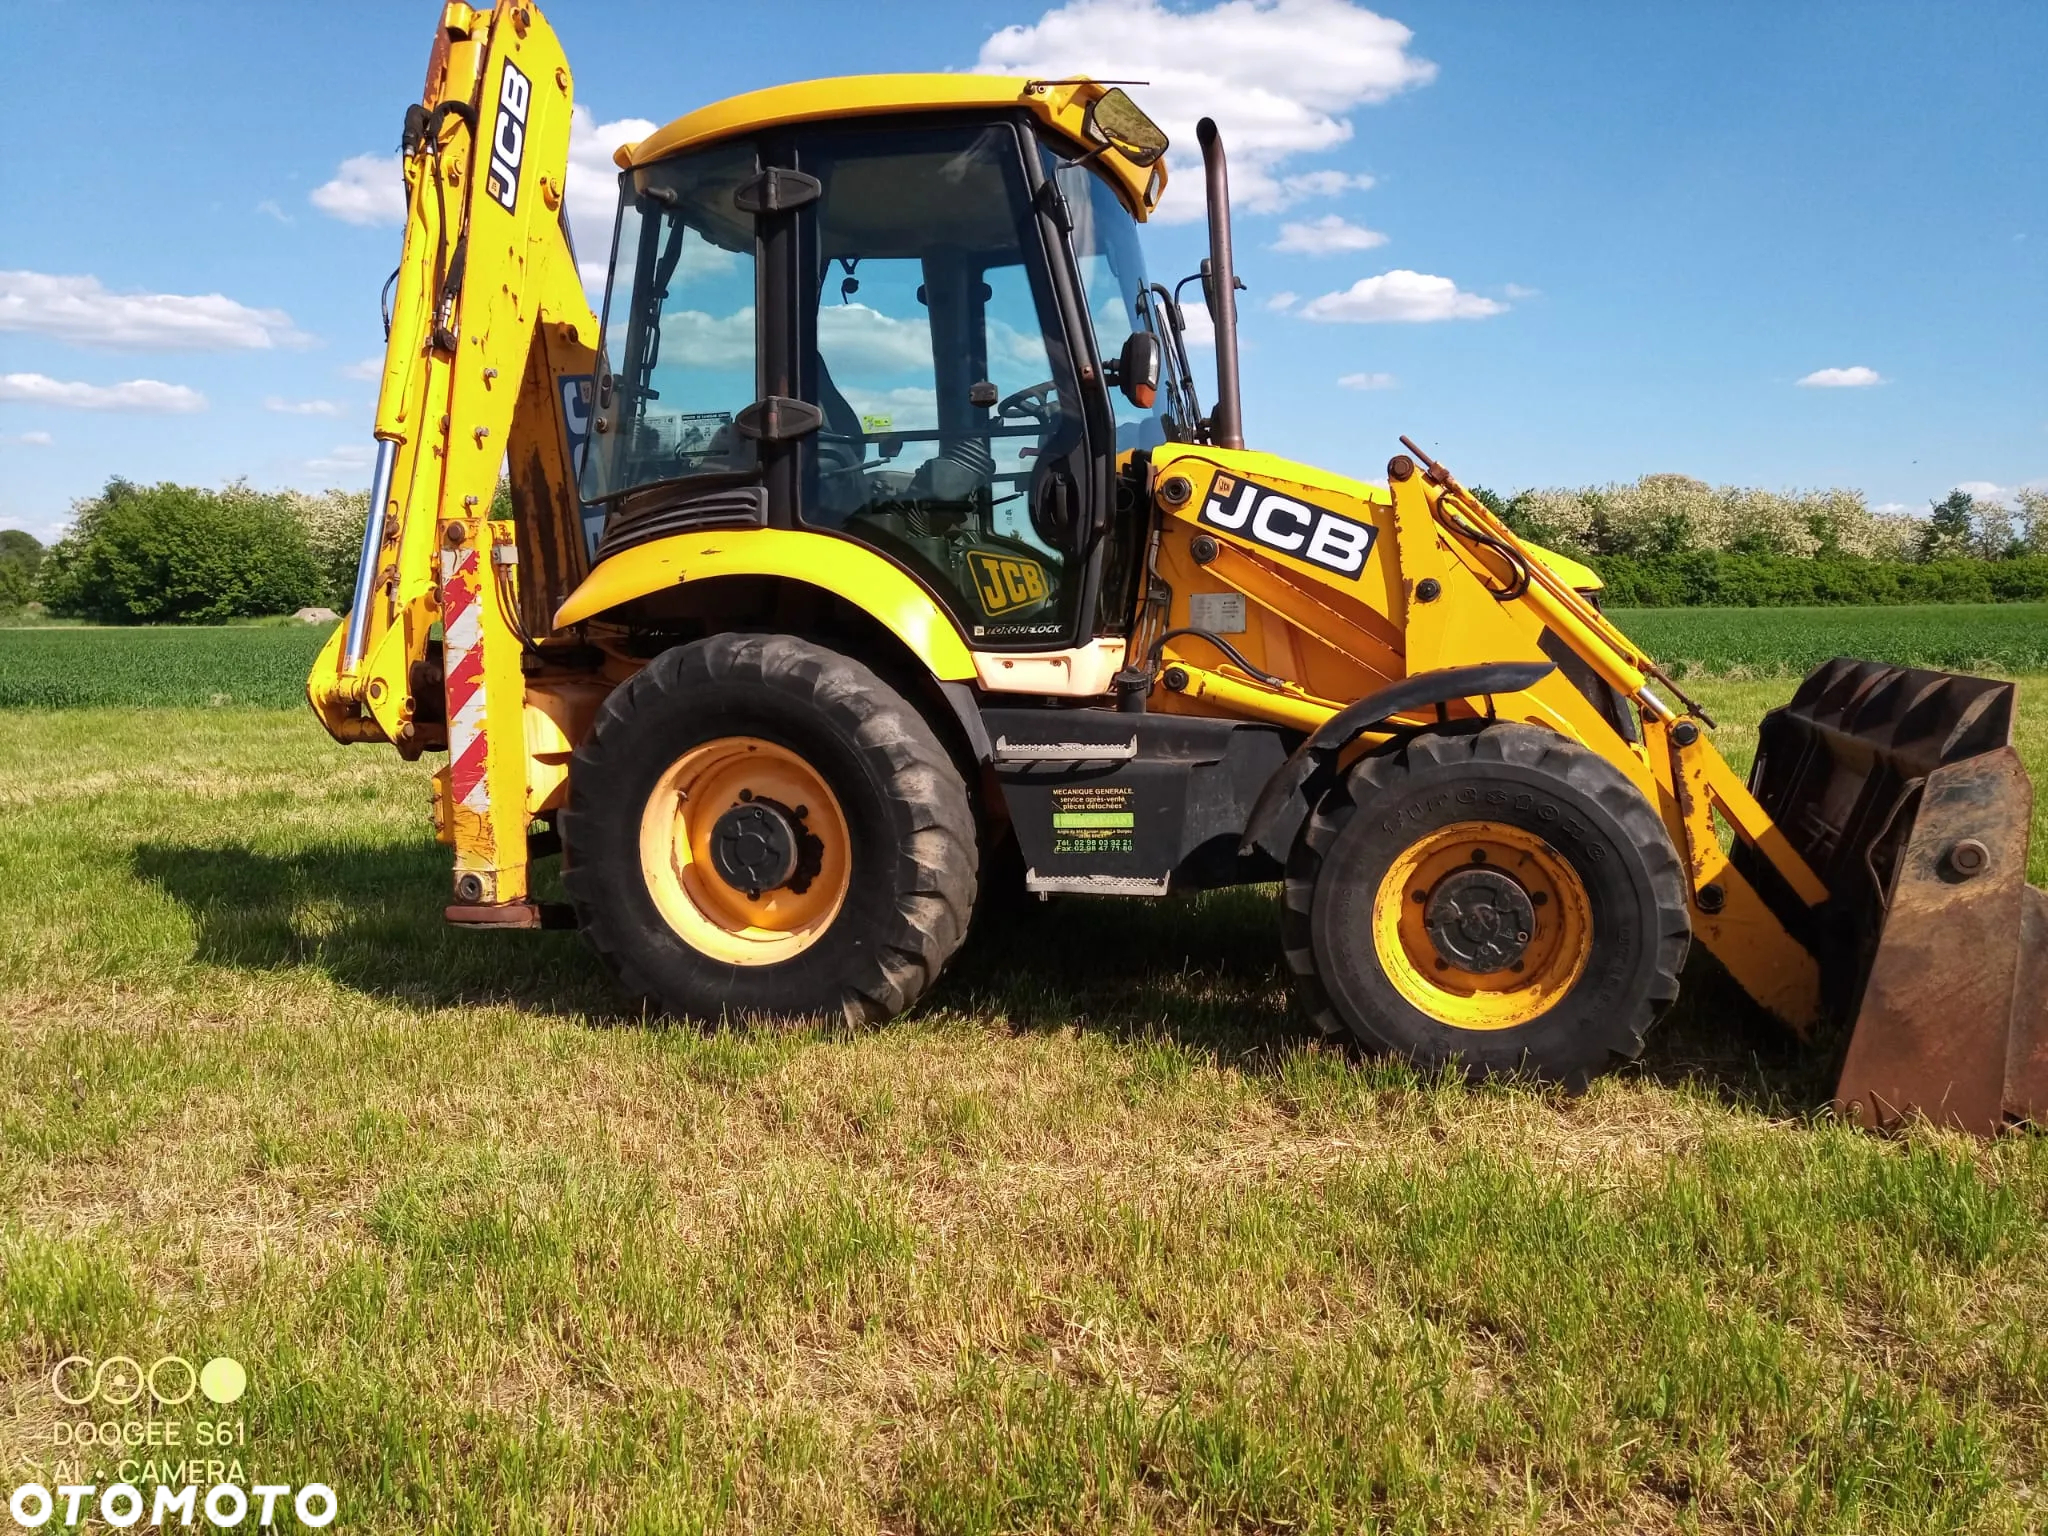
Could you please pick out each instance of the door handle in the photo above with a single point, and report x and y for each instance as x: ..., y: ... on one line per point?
x: 1052, y: 511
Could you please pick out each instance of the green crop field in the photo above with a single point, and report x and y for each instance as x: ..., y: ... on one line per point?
x: 1095, y: 1240
x: 264, y: 665
x: 72, y: 668
x: 1999, y: 638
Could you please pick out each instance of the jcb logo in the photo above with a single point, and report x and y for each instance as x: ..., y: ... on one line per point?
x: 1267, y: 517
x: 508, y: 138
x: 1006, y: 582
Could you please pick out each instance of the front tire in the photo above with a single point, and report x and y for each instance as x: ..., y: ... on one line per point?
x: 1504, y: 899
x: 761, y: 827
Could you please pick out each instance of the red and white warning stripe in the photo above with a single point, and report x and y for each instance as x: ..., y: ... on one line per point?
x: 463, y: 658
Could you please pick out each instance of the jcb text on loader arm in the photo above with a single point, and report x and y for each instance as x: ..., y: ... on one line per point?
x: 874, y: 552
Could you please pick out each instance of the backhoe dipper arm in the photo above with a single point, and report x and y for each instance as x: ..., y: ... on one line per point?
x: 488, y: 326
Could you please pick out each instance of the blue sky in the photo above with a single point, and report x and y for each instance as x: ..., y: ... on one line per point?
x: 1556, y: 244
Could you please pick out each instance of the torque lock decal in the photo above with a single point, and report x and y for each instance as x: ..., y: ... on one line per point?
x: 1278, y: 521
x: 508, y: 137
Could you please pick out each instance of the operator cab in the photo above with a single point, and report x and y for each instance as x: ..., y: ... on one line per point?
x: 902, y: 330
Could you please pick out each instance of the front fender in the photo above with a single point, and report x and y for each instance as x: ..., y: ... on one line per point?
x: 838, y: 566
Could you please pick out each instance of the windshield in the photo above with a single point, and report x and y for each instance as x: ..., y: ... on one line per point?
x: 677, y: 362
x: 1112, y: 267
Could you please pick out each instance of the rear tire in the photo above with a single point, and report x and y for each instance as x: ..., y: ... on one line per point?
x: 867, y: 873
x: 1504, y: 898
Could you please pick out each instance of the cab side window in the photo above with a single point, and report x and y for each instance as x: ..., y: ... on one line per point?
x: 679, y: 328
x: 952, y: 438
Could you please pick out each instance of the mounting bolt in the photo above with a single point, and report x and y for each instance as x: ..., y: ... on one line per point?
x: 455, y: 535
x: 1203, y: 548
x: 1400, y: 467
x: 1685, y: 733
x: 1712, y: 898
x: 1428, y: 590
x: 1175, y: 490
x: 1176, y: 679
x: 481, y: 434
x: 1969, y: 857
x: 469, y: 888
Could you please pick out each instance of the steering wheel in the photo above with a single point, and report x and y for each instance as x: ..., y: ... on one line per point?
x: 1033, y: 404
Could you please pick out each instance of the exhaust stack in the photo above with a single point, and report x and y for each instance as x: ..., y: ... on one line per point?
x: 1226, y: 422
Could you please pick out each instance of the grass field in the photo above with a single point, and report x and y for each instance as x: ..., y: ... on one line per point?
x: 2001, y: 638
x: 1095, y: 1240
x: 71, y: 667
x: 68, y: 667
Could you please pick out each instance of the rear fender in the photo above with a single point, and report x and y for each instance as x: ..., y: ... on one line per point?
x: 838, y: 566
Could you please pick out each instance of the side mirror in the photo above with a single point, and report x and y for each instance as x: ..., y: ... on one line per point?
x: 1115, y: 121
x: 1137, y: 370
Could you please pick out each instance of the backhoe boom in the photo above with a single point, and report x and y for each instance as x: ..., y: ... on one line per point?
x: 490, y: 341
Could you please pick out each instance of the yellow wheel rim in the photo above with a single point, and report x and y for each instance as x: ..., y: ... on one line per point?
x: 711, y: 915
x: 1552, y: 904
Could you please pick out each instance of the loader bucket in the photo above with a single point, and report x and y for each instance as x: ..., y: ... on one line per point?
x: 1902, y: 789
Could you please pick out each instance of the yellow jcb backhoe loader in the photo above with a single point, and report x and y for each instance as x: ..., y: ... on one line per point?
x: 874, y: 553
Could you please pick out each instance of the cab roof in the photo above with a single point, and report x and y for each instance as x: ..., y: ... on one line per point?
x: 1060, y: 104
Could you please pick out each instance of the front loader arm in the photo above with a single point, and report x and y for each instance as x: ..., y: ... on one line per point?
x: 489, y: 323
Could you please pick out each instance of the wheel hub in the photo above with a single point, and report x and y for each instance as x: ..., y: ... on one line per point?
x: 754, y: 846
x: 1480, y: 920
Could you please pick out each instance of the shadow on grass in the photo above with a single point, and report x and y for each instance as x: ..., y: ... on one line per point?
x: 1717, y: 1038
x: 1204, y: 971
x: 369, y: 917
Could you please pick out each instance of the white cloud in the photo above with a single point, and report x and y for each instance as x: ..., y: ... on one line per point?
x: 135, y: 395
x: 269, y: 206
x: 2003, y: 495
x: 709, y: 341
x: 1517, y: 291
x: 1277, y: 75
x: 30, y: 439
x: 1307, y: 184
x: 81, y: 310
x: 593, y: 189
x: 350, y: 462
x: 1326, y: 236
x: 1283, y: 301
x: 301, y: 407
x: 369, y: 368
x: 366, y: 189
x: 1366, y: 381
x: 1401, y: 295
x: 854, y: 339
x: 1858, y: 377
x: 370, y: 189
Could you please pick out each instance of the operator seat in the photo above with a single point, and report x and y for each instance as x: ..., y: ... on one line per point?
x: 842, y: 450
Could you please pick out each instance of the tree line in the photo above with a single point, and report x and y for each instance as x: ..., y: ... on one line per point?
x: 1669, y: 541
x: 176, y: 554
